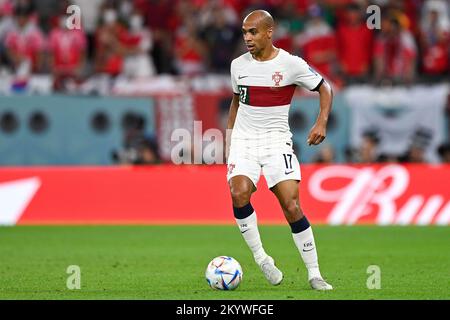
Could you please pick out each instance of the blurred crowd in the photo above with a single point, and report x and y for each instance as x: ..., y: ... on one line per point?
x: 140, y: 39
x: 143, y: 38
x: 138, y: 148
x: 369, y: 152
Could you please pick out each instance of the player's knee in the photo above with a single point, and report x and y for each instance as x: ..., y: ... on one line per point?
x: 240, y: 196
x: 291, y: 206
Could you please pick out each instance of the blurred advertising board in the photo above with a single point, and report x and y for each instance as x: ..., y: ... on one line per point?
x: 199, y: 194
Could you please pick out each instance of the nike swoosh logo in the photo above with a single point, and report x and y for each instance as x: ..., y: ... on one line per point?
x: 288, y: 172
x: 308, y: 250
x: 245, y: 231
x: 242, y: 77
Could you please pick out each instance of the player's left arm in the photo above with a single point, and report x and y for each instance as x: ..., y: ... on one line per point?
x: 319, y: 131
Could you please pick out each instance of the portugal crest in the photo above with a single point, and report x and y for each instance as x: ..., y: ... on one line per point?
x: 277, y: 77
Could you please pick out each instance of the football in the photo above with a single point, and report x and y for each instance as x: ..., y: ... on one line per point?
x: 224, y: 273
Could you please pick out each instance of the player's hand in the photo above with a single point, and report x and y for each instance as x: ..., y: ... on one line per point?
x: 317, y: 134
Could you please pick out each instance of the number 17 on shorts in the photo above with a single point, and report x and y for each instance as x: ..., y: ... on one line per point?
x: 280, y: 167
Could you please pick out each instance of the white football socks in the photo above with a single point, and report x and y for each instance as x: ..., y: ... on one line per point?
x: 249, y: 230
x: 305, y: 244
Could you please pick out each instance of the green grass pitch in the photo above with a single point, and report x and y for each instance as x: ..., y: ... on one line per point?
x: 168, y: 262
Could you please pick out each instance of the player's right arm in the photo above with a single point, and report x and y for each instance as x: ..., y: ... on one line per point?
x: 234, y: 106
x: 235, y: 102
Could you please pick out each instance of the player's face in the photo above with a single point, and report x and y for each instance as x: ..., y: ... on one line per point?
x: 256, y: 37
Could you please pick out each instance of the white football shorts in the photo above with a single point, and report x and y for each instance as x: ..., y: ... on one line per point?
x: 278, y: 163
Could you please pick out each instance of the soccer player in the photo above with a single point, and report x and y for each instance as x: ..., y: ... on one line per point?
x: 263, y: 81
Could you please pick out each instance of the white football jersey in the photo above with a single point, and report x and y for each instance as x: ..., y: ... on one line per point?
x: 265, y: 91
